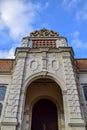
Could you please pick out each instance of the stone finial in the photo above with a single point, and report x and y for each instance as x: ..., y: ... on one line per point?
x: 44, y: 33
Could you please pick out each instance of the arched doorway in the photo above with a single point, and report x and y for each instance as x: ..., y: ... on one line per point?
x: 44, y: 115
x: 42, y: 93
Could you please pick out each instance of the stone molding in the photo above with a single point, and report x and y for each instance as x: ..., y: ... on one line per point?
x: 77, y: 124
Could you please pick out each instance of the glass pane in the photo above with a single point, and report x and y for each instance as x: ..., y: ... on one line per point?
x: 0, y: 108
x: 85, y: 92
x: 2, y: 92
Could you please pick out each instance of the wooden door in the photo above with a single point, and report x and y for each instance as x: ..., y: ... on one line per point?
x: 44, y: 116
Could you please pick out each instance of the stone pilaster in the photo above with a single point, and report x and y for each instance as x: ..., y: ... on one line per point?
x: 11, y: 111
x: 74, y: 112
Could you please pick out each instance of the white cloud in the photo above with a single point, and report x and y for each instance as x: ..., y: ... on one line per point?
x: 81, y: 14
x: 18, y: 16
x: 7, y: 53
x: 70, y: 3
x: 77, y: 43
x: 16, y: 21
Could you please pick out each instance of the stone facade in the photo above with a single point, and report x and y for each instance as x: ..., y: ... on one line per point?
x: 44, y: 68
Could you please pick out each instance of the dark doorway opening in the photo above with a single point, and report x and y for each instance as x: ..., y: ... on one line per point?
x: 44, y: 116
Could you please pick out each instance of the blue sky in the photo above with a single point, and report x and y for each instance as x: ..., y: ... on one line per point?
x: 20, y: 17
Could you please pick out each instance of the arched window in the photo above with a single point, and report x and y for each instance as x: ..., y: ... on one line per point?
x: 0, y: 108
x: 2, y: 92
x: 85, y: 92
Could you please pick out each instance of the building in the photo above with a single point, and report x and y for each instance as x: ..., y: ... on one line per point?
x: 44, y: 87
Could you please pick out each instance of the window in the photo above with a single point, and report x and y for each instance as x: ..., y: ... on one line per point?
x: 2, y: 92
x: 85, y: 92
x: 2, y: 96
x: 0, y: 108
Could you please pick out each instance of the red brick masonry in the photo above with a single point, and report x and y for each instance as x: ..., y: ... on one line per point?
x: 81, y: 64
x: 6, y: 65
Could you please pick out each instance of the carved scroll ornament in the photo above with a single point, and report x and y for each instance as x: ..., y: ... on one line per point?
x: 44, y: 33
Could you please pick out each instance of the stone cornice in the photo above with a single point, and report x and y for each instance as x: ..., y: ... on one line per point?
x: 56, y: 50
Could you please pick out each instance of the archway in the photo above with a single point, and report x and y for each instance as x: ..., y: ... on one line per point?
x: 44, y: 116
x: 42, y: 92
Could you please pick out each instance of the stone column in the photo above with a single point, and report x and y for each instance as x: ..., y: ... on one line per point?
x: 10, y: 120
x: 75, y: 120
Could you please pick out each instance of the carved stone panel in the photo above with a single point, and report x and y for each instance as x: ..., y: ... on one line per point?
x: 33, y: 65
x: 55, y: 64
